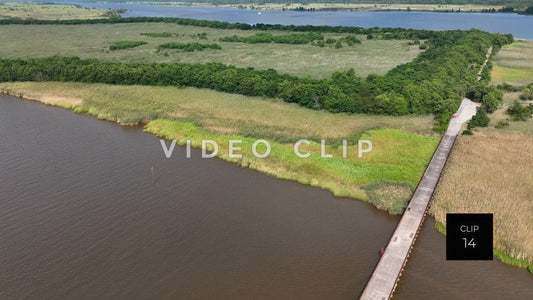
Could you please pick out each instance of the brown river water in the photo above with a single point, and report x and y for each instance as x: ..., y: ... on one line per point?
x: 80, y: 218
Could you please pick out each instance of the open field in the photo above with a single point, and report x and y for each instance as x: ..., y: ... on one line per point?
x: 48, y: 11
x: 510, y: 97
x: 516, y: 126
x: 392, y: 169
x: 514, y: 64
x: 93, y: 41
x: 348, y: 6
x: 491, y: 172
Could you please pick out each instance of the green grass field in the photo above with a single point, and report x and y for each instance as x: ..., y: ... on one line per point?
x: 393, y: 168
x: 48, y: 11
x: 93, y: 41
x: 514, y: 64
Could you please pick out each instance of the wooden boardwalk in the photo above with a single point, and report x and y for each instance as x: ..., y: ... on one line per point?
x: 383, y: 281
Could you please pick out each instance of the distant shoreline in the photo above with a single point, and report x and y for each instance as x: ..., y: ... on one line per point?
x: 316, y: 7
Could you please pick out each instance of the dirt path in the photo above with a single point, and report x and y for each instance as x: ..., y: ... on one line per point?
x: 487, y: 56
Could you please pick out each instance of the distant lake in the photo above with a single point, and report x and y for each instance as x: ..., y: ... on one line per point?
x: 519, y: 25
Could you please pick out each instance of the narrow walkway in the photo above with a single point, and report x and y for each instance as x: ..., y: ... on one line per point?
x: 387, y: 273
x: 383, y: 281
x: 487, y: 56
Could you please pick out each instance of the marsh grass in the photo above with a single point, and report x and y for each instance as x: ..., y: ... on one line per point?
x: 490, y: 172
x: 343, y: 177
x: 515, y: 76
x: 219, y: 112
x: 514, y: 64
x: 48, y: 11
x: 399, y: 157
x: 498, y: 254
x: 516, y: 126
x: 92, y: 41
x: 389, y: 196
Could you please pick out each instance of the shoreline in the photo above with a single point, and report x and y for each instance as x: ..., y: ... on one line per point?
x: 362, y: 7
x: 282, y: 163
x: 498, y: 254
x: 154, y: 127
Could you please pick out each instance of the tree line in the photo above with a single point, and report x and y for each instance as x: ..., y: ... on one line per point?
x: 313, y: 38
x: 301, y: 38
x: 433, y: 83
x: 391, y: 33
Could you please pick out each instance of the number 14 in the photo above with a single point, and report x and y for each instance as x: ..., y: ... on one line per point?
x: 469, y: 243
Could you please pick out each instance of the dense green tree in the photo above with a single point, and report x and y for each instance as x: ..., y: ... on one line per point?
x: 391, y: 103
x: 491, y: 100
x: 480, y: 119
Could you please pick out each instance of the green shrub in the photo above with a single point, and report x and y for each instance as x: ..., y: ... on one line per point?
x: 528, y: 93
x: 501, y: 124
x: 157, y: 34
x: 481, y: 119
x: 352, y: 39
x: 518, y: 112
x: 189, y: 47
x: 509, y: 88
x: 126, y: 44
x: 263, y: 38
x: 467, y: 132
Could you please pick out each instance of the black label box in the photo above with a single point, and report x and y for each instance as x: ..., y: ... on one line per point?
x: 469, y: 237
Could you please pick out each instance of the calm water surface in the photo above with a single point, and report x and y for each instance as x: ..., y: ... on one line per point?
x: 80, y: 218
x: 428, y: 275
x: 519, y: 25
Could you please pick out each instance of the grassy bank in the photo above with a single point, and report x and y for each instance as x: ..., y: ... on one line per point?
x: 514, y: 64
x: 48, y: 11
x: 93, y: 41
x: 394, y: 167
x: 491, y: 172
x: 498, y: 254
